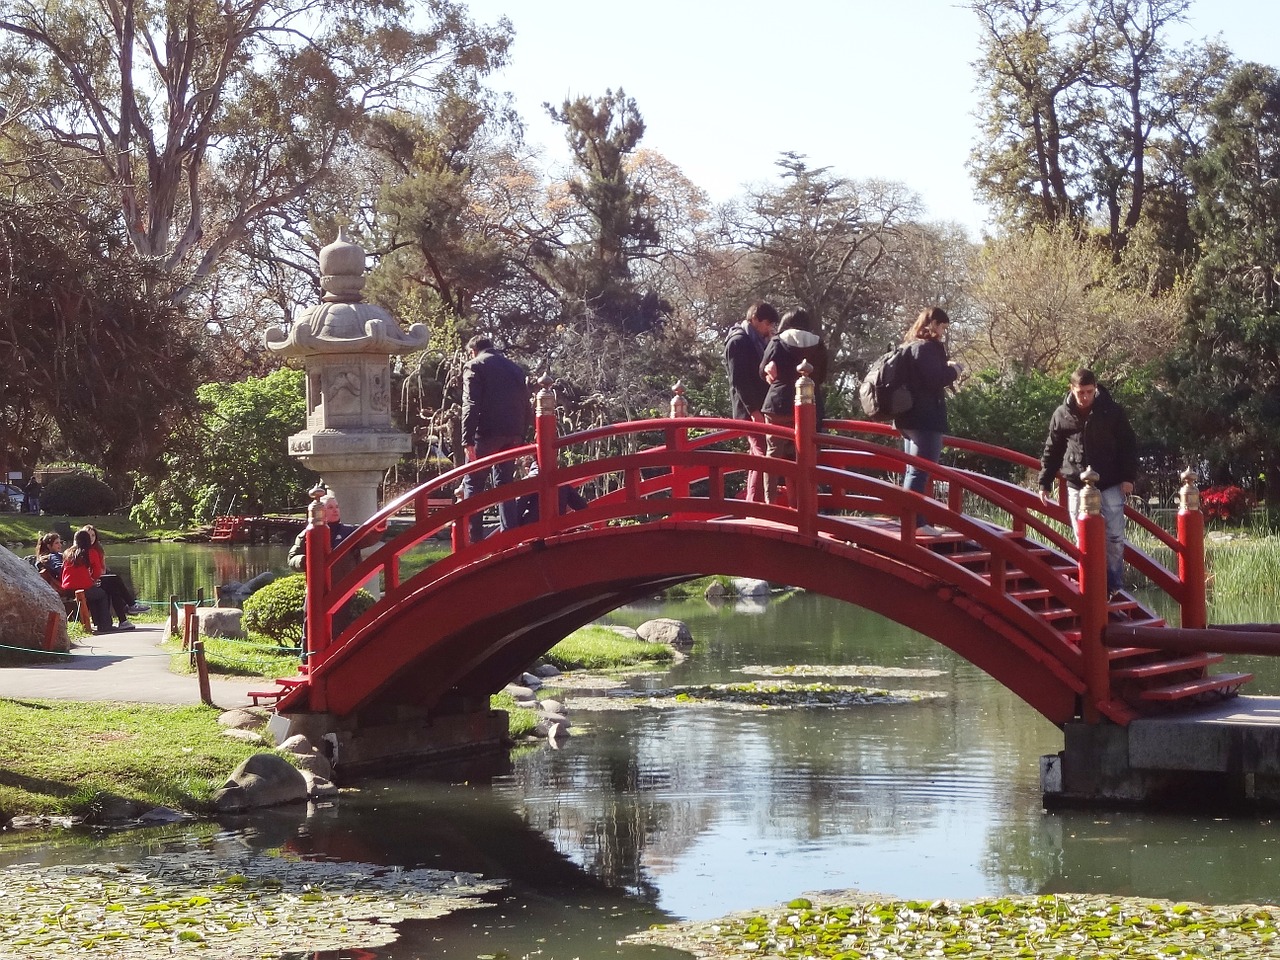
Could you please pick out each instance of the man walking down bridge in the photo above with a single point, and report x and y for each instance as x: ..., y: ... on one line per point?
x: 495, y: 416
x: 1090, y: 429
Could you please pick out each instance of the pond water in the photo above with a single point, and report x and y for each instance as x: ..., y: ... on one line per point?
x: 650, y: 815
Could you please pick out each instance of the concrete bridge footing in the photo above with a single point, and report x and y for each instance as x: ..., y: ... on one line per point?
x: 1223, y: 755
x: 377, y: 742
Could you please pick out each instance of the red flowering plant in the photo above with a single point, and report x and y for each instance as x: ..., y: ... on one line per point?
x: 1226, y: 502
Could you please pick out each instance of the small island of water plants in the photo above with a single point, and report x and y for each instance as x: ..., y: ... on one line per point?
x: 1059, y: 927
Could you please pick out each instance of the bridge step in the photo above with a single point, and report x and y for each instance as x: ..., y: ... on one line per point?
x: 1124, y: 653
x: 256, y: 695
x: 1222, y: 684
x: 1144, y: 621
x: 1158, y: 667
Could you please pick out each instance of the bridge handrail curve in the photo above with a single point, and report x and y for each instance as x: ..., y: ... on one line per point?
x: 683, y: 440
x: 708, y: 430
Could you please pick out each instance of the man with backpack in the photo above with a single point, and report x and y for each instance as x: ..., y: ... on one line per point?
x: 743, y: 352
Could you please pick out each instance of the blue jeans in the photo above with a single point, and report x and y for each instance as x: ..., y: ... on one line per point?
x: 926, y: 444
x: 1113, y: 517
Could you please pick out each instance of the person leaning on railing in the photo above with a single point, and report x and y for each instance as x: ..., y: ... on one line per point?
x: 338, y: 532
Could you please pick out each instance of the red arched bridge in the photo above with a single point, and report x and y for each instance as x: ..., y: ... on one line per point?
x: 1003, y: 585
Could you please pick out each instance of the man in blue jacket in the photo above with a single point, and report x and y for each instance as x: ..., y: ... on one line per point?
x: 1090, y: 429
x: 495, y: 416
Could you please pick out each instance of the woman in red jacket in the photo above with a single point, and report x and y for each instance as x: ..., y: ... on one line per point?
x: 81, y: 570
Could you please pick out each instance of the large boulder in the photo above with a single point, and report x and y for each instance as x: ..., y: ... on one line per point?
x: 674, y: 633
x: 25, y: 604
x: 264, y: 780
x: 221, y: 622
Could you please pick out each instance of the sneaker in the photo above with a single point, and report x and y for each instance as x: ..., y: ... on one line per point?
x: 125, y: 625
x: 928, y: 530
x: 139, y: 607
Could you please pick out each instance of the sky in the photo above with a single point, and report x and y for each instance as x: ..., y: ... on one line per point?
x: 872, y: 89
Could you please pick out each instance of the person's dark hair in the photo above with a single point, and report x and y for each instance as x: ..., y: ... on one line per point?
x: 479, y: 343
x: 45, y: 546
x: 1083, y: 377
x: 796, y: 320
x: 79, y: 554
x: 929, y: 315
x: 762, y: 311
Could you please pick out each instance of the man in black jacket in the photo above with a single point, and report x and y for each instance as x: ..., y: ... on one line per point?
x: 1090, y: 429
x: 495, y: 416
x: 743, y: 351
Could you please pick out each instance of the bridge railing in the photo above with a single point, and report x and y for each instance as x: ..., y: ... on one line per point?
x: 689, y: 468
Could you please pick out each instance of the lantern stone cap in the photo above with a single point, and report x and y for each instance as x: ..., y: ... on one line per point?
x: 343, y: 323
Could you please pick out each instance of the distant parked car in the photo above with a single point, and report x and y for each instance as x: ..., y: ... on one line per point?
x: 12, y: 498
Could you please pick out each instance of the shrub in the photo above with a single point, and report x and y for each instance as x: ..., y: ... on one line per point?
x: 277, y: 610
x: 1226, y: 502
x: 77, y: 495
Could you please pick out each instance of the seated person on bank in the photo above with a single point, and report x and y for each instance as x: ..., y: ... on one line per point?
x: 81, y: 570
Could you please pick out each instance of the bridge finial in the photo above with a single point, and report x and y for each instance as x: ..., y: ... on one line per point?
x: 679, y: 405
x: 315, y: 509
x: 805, y: 388
x: 1090, y: 496
x: 1189, y: 493
x: 546, y: 400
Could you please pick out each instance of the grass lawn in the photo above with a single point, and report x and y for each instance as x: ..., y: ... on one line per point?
x: 26, y: 529
x: 65, y: 758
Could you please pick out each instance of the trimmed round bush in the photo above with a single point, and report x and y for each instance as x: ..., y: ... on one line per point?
x: 278, y: 609
x: 77, y: 495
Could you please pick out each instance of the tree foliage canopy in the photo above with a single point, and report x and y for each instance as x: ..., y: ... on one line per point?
x: 95, y: 366
x: 195, y: 120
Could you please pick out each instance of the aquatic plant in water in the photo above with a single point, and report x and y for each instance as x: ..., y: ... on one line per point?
x: 216, y: 906
x: 1062, y: 927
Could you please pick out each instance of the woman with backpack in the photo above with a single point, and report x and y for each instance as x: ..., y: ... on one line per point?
x: 795, y: 342
x: 924, y: 424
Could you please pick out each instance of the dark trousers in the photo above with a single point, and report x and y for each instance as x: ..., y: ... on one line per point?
x: 481, y: 480
x: 117, y: 594
x: 99, y: 608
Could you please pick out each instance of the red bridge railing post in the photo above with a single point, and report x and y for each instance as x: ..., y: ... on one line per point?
x: 805, y: 498
x: 678, y: 437
x: 319, y: 626
x: 1195, y: 613
x: 546, y: 432
x: 1091, y: 534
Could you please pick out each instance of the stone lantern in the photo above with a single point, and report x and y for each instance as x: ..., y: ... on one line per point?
x: 346, y: 347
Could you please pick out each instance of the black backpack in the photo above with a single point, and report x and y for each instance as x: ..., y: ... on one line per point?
x: 884, y: 392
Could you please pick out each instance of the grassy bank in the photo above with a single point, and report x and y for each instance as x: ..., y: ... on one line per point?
x: 25, y: 529
x: 65, y: 758
x: 177, y: 756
